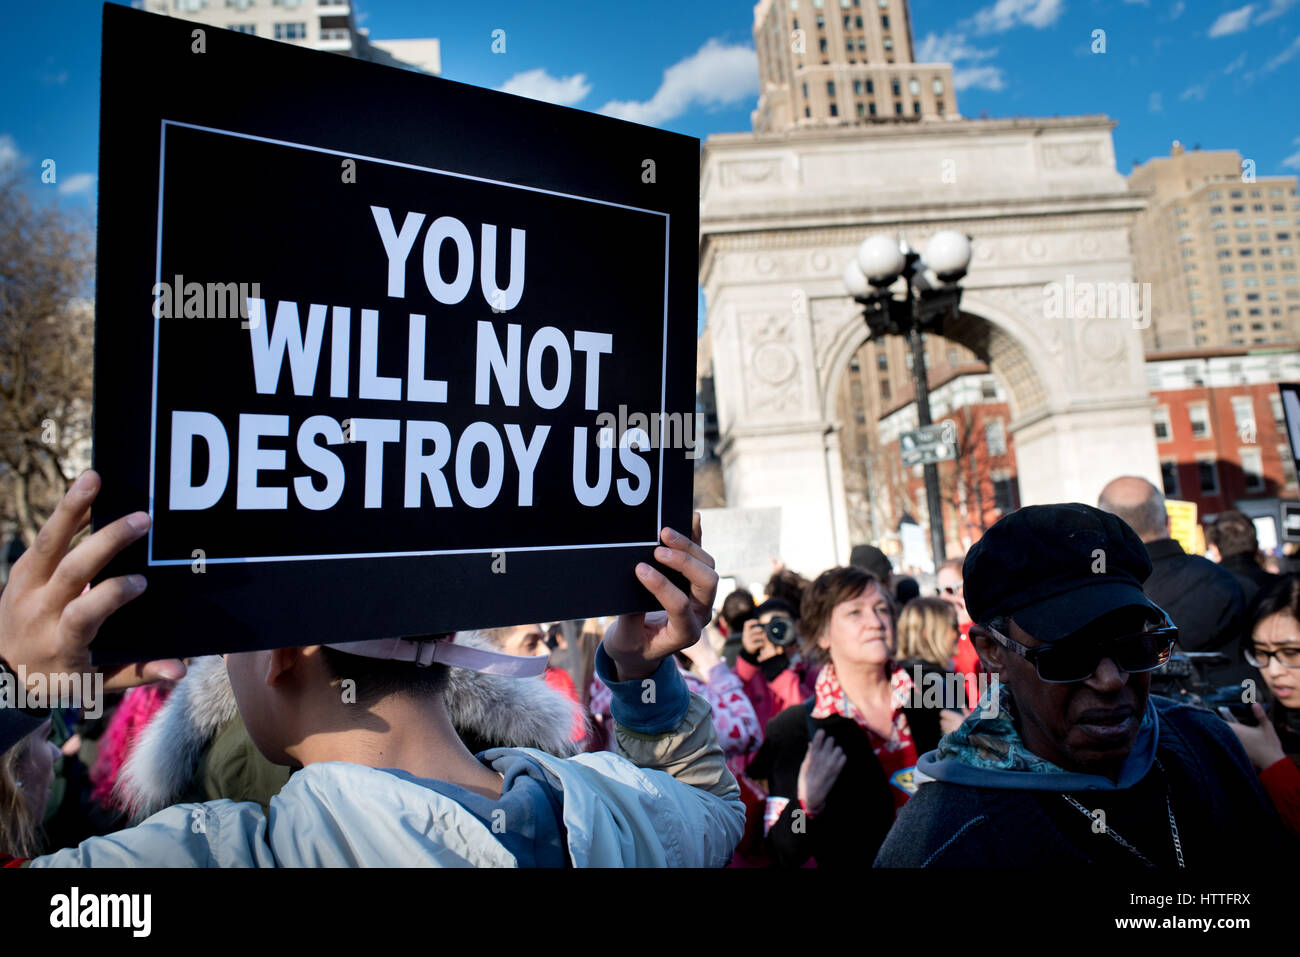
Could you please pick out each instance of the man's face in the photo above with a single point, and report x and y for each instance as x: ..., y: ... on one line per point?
x: 950, y: 590
x: 1087, y: 726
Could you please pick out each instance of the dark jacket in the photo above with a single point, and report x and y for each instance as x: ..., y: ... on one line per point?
x: 860, y: 807
x: 1223, y: 818
x: 1204, y: 600
x: 1249, y: 574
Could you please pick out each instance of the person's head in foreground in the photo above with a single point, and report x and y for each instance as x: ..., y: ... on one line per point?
x: 1055, y: 592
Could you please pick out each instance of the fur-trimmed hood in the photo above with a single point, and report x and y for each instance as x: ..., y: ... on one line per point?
x: 494, y: 710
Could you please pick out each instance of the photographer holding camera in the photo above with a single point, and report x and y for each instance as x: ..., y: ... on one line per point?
x: 773, y: 672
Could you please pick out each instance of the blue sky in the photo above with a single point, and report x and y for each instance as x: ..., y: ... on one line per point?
x: 1223, y: 75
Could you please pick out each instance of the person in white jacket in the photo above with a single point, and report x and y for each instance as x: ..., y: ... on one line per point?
x: 384, y: 778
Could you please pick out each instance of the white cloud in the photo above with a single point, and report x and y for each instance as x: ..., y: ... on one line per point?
x: 540, y: 85
x: 77, y: 183
x: 1235, y: 65
x: 949, y: 48
x: 1286, y: 55
x: 1196, y: 92
x: 1155, y: 103
x: 715, y: 75
x: 10, y: 158
x: 1275, y: 10
x: 1234, y: 21
x: 1005, y: 14
x: 1176, y: 10
x: 979, y: 77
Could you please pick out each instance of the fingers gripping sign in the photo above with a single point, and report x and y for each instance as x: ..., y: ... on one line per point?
x: 49, y: 613
x: 638, y: 643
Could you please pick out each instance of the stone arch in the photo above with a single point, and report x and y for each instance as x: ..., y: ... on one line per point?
x: 1019, y: 365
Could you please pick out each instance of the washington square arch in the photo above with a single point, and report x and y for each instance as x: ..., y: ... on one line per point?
x: 782, y: 213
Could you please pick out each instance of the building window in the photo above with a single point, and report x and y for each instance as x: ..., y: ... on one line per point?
x: 1243, y: 412
x: 290, y: 31
x: 835, y: 110
x: 938, y: 86
x: 884, y: 390
x: 1169, y: 477
x: 871, y: 88
x: 882, y: 362
x: 1164, y: 429
x: 857, y: 87
x: 862, y: 111
x: 884, y: 23
x: 995, y: 437
x: 249, y: 28
x: 895, y: 88
x: 898, y: 109
x: 871, y: 109
x: 1288, y: 466
x: 1252, y: 467
x: 1275, y: 406
x: 1004, y: 492
x: 914, y: 87
x: 1208, y: 475
x: 1200, y: 419
x: 830, y: 87
x: 988, y: 390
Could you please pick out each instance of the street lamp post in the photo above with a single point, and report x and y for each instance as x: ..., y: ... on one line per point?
x: 931, y: 291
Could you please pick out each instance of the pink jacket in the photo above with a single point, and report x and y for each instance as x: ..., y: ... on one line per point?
x: 792, y: 686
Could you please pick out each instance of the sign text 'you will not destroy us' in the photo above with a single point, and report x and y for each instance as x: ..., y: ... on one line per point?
x: 455, y: 403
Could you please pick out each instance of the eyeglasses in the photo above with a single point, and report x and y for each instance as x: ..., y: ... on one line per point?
x: 1288, y: 655
x: 1076, y: 657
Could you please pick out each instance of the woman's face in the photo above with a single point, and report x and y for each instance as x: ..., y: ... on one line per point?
x: 1277, y: 633
x: 35, y: 769
x: 860, y: 633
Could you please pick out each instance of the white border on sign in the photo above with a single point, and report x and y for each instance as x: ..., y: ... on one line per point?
x: 153, y: 425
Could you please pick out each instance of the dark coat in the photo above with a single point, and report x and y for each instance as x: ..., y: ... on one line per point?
x: 1250, y: 576
x: 1224, y: 820
x: 860, y: 807
x: 1204, y: 601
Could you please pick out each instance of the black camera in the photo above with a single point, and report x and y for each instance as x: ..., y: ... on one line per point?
x: 780, y: 632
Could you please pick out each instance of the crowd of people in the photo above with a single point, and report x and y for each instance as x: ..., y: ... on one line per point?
x: 1020, y: 716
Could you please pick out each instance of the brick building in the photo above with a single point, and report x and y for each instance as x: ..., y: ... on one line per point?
x: 1220, y: 433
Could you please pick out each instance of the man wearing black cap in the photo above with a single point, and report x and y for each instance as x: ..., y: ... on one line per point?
x: 1078, y: 763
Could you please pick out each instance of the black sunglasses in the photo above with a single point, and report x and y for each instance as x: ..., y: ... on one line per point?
x: 1076, y: 657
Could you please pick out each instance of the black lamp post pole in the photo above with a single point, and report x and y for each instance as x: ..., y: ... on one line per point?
x: 921, y: 387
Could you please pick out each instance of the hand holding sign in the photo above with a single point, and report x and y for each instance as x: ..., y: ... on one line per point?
x: 48, y: 612
x: 638, y: 643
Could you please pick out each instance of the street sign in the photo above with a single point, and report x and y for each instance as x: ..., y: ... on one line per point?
x: 929, y: 444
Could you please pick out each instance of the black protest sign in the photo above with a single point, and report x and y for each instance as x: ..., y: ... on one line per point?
x: 381, y: 354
